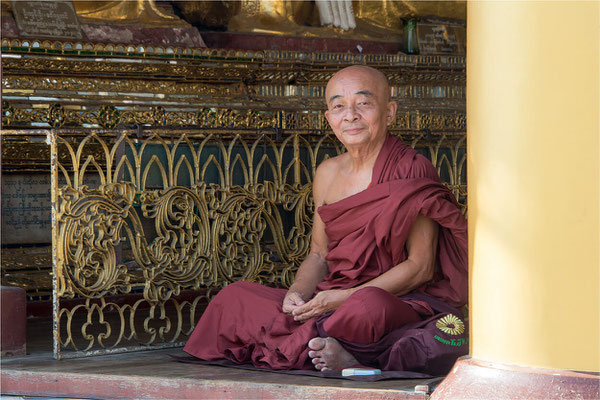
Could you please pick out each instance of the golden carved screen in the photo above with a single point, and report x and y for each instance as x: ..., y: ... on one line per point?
x: 149, y: 222
x: 147, y: 225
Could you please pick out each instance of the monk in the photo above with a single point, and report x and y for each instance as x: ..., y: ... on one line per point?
x: 388, y: 251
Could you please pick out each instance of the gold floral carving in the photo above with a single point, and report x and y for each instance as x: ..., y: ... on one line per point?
x: 184, y: 211
x: 109, y: 116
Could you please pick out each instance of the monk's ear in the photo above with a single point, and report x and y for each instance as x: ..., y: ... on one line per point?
x: 327, y: 116
x: 392, y: 107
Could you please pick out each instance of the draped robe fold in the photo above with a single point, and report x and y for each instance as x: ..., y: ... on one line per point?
x: 367, y: 233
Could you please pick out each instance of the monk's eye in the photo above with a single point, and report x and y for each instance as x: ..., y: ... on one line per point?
x: 337, y: 106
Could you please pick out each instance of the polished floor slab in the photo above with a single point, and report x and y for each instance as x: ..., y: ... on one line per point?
x: 154, y: 375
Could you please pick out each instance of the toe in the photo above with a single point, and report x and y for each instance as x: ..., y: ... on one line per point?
x: 316, y: 343
x: 321, y: 367
x: 317, y: 361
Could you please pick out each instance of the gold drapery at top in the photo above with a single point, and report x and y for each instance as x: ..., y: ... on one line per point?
x: 384, y: 14
x: 300, y: 18
x: 123, y: 12
x: 375, y: 19
x: 389, y: 13
x: 144, y: 12
x: 379, y: 20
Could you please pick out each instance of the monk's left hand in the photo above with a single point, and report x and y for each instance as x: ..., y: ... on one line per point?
x: 324, y: 302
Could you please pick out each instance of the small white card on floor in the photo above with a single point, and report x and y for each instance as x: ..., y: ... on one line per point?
x: 360, y: 371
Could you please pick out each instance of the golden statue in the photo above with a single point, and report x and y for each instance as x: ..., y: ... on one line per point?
x: 369, y: 20
x: 359, y: 19
x: 144, y: 12
x: 147, y: 13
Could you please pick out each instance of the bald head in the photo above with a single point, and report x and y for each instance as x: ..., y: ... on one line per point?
x: 375, y: 81
x: 359, y: 109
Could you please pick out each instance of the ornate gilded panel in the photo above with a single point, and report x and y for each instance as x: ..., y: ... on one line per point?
x: 176, y: 171
x: 175, y: 216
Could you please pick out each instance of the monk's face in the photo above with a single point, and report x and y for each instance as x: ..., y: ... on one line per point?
x: 358, y: 106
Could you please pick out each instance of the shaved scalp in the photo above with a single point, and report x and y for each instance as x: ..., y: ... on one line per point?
x: 375, y: 75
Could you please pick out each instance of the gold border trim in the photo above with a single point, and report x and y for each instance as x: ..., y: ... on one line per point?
x: 81, y: 48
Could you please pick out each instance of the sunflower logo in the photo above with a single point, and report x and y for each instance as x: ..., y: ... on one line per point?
x: 450, y: 324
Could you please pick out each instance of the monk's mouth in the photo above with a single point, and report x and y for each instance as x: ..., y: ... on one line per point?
x: 353, y: 130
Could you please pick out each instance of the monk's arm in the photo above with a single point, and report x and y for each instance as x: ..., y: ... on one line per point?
x: 314, y: 267
x: 310, y: 273
x: 418, y: 268
x: 403, y: 278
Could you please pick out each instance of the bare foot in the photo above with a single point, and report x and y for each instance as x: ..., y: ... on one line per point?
x: 328, y: 353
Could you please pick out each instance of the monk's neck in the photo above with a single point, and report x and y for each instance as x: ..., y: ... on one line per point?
x: 363, y: 158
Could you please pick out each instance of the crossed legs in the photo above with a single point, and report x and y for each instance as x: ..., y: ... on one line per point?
x: 365, y: 317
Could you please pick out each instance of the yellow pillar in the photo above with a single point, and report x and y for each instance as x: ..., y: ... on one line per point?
x: 534, y: 179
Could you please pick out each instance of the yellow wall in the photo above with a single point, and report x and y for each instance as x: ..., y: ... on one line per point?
x: 533, y: 165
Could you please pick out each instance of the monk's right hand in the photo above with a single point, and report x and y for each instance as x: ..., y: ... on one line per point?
x: 291, y: 301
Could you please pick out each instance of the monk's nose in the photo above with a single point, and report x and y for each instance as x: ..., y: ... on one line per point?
x: 351, y: 114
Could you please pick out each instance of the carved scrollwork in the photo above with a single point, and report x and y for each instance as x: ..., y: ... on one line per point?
x: 240, y: 223
x: 108, y: 116
x: 297, y: 244
x: 180, y: 251
x: 92, y: 229
x: 56, y: 115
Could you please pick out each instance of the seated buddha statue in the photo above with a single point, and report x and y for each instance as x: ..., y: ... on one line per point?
x: 360, y: 19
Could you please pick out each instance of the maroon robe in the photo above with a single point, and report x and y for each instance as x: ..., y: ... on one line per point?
x: 367, y: 233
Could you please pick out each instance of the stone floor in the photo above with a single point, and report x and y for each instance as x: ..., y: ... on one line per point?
x: 154, y: 375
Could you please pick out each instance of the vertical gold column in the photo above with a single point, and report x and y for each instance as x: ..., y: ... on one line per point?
x: 533, y: 165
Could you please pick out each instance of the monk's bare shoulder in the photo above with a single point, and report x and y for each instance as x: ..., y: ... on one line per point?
x: 325, y: 176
